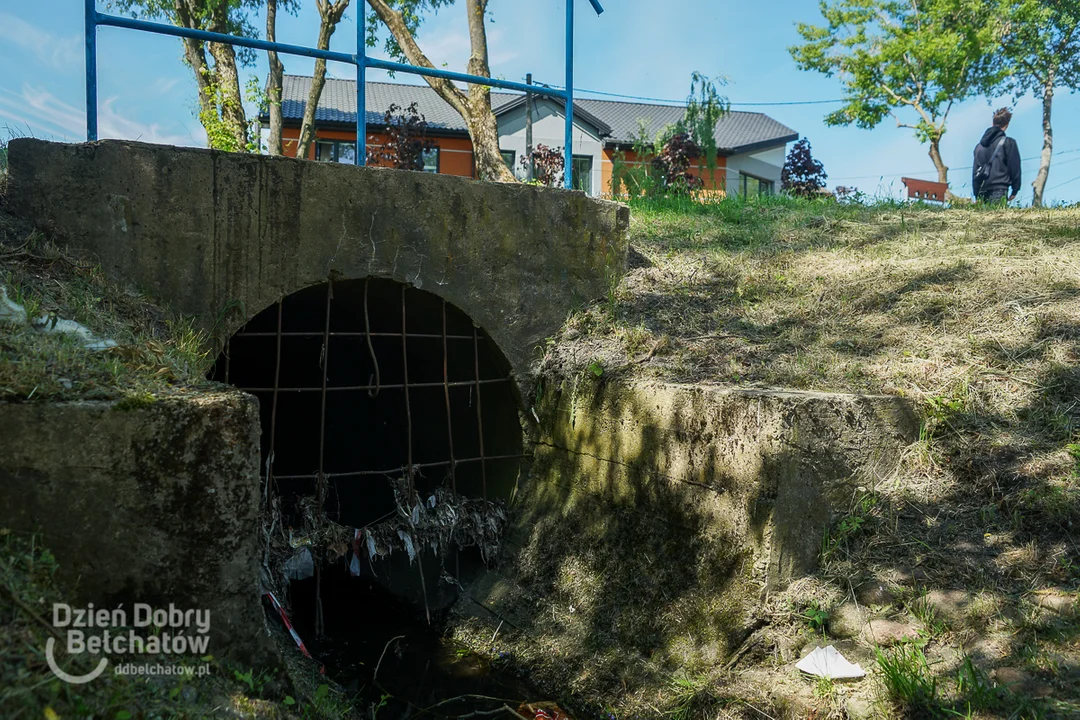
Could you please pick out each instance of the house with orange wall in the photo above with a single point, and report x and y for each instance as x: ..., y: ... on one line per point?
x: 751, y: 146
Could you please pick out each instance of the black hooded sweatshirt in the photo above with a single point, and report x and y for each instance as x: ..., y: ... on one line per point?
x: 1005, y: 171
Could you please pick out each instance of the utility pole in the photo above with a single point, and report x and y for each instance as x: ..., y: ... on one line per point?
x: 528, y: 126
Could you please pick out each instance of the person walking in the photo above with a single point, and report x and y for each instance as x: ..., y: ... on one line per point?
x: 996, y: 169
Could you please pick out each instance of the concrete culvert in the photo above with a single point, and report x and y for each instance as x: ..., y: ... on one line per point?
x: 357, y: 381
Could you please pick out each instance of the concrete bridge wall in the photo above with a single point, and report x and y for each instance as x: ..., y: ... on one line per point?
x: 222, y: 236
x: 173, y: 487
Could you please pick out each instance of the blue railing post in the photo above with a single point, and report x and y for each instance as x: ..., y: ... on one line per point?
x: 91, y: 70
x: 361, y: 88
x: 360, y: 59
x: 568, y: 143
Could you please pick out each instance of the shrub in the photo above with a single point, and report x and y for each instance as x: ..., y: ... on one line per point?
x: 802, y: 176
x: 408, y: 141
x: 548, y: 164
x: 672, y: 165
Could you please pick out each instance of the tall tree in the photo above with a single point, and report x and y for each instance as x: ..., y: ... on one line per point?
x: 274, y: 81
x: 1040, y: 51
x: 330, y: 14
x: 221, y: 107
x: 923, y: 56
x: 402, y: 18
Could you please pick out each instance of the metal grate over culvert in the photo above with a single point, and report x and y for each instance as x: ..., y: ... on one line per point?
x: 366, y: 383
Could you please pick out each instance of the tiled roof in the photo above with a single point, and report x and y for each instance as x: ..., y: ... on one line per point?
x: 735, y: 131
x: 338, y: 102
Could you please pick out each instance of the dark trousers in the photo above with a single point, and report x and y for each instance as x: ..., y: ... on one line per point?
x: 993, y: 195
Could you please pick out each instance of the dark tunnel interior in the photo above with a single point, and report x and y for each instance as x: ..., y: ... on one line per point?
x: 460, y: 404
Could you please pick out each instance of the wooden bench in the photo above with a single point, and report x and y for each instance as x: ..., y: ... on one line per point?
x: 925, y: 190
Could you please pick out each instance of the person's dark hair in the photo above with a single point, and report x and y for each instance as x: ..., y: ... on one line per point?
x: 1002, y: 116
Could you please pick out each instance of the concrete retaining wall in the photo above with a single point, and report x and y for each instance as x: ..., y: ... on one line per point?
x: 157, y: 503
x: 658, y: 516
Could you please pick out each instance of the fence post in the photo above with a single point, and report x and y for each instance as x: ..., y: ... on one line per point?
x: 528, y: 127
x: 91, y: 70
x: 568, y: 142
x: 361, y: 89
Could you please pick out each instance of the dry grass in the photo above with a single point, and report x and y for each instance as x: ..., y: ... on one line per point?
x: 157, y: 352
x: 972, y: 314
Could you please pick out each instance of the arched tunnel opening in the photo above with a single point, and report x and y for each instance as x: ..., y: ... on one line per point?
x: 383, y: 407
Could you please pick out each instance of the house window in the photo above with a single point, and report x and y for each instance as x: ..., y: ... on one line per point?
x: 581, y: 165
x: 750, y: 186
x: 430, y: 159
x: 338, y: 151
x: 508, y: 157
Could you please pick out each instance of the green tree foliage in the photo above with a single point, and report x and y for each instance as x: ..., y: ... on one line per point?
x: 912, y: 61
x: 1039, y: 53
x: 705, y: 106
x: 221, y: 102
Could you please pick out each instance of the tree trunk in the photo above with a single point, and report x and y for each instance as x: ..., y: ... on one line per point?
x: 482, y: 130
x: 330, y: 15
x: 939, y: 164
x: 195, y: 55
x: 1048, y: 143
x: 273, y: 81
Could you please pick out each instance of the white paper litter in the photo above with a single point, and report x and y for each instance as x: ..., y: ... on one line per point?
x: 10, y: 311
x: 89, y: 340
x: 827, y: 662
x: 409, y: 548
x: 370, y: 544
x: 300, y: 566
x: 14, y: 313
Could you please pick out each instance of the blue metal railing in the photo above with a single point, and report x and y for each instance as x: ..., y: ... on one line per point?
x: 95, y: 19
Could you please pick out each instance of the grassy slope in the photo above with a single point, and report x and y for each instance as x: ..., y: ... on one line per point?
x: 158, y: 352
x: 974, y: 315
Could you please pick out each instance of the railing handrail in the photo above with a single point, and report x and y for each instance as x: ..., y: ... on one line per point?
x: 95, y: 19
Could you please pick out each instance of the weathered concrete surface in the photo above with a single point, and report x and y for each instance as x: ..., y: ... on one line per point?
x: 222, y: 236
x: 658, y: 516
x: 157, y: 503
x: 774, y: 466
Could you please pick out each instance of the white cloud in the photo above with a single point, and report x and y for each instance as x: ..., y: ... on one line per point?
x: 163, y: 85
x: 40, y: 110
x: 62, y: 53
x: 453, y: 48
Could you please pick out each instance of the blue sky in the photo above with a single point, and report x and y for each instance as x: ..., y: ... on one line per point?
x: 635, y: 48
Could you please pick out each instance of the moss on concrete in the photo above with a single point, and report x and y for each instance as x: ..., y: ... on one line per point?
x: 658, y: 516
x: 157, y: 503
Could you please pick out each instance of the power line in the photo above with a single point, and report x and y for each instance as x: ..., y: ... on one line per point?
x: 1064, y: 183
x: 670, y: 101
x: 965, y: 167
